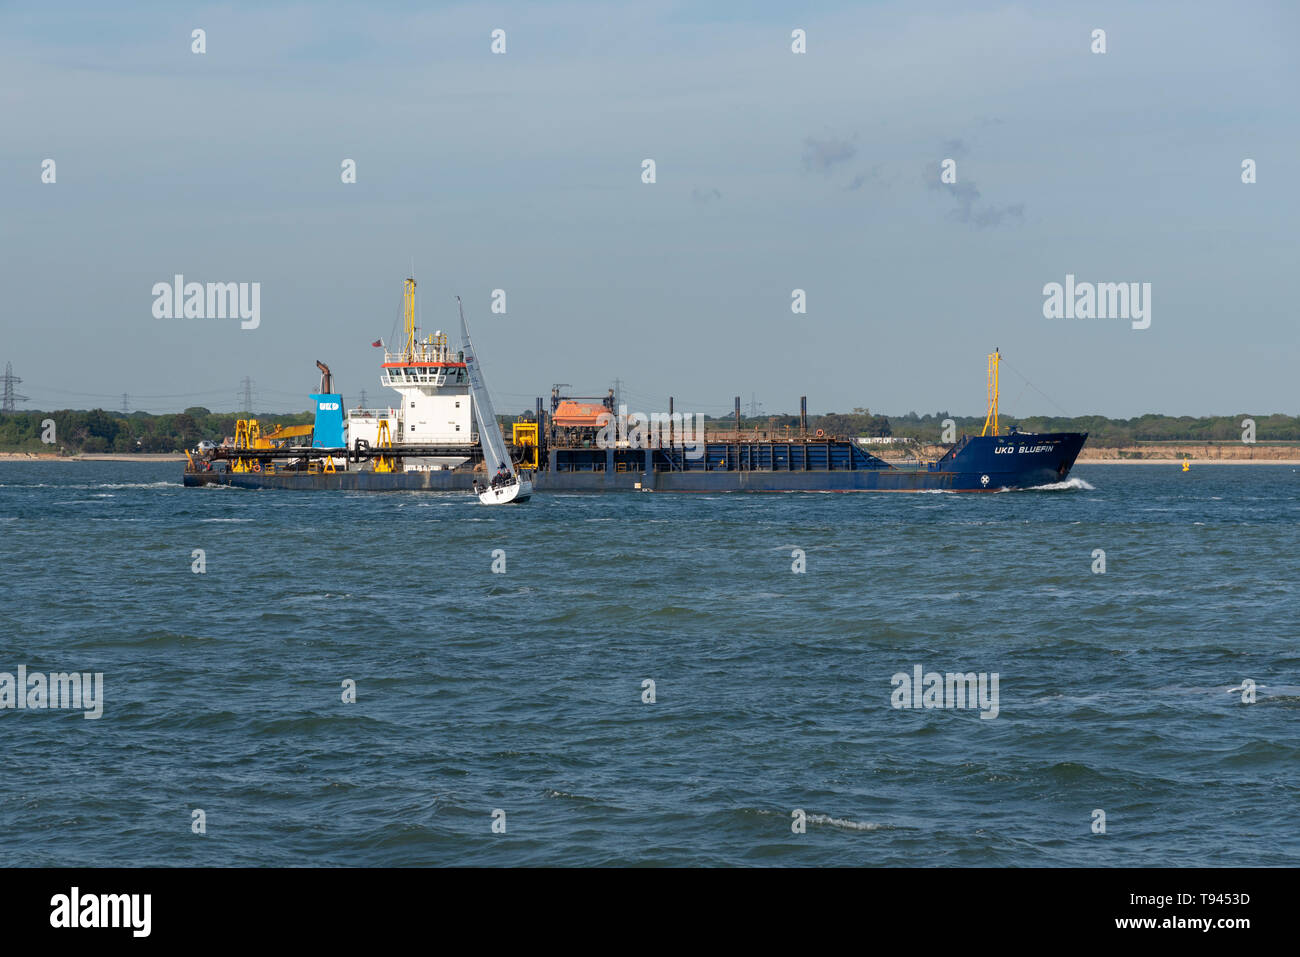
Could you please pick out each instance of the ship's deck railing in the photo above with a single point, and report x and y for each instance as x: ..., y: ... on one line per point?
x: 720, y: 435
x: 423, y: 353
x: 449, y: 442
x: 372, y: 413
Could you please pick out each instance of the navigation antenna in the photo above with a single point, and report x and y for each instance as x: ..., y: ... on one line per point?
x: 408, y: 308
x: 992, y: 416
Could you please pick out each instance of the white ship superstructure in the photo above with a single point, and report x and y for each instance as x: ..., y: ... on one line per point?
x: 434, y: 407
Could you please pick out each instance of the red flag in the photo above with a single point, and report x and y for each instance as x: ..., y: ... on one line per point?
x: 378, y: 343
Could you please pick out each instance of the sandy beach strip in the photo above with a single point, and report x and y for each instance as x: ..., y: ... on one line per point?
x: 1196, y: 463
x: 152, y: 457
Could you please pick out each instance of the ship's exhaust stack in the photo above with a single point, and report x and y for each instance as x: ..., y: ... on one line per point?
x: 326, y: 380
x: 803, y: 416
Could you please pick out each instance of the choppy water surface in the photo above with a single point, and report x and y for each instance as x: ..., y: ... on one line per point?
x: 523, y: 691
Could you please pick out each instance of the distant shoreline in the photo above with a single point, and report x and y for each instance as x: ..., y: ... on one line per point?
x: 1198, y: 463
x: 93, y: 457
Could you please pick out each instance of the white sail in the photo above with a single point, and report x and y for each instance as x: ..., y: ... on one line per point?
x: 489, y: 433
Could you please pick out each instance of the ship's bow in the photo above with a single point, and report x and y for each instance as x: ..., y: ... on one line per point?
x: 1016, y: 460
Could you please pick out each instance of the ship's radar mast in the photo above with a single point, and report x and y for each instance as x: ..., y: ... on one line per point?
x: 992, y: 415
x: 408, y: 304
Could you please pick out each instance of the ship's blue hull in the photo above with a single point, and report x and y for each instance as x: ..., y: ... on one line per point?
x: 977, y: 464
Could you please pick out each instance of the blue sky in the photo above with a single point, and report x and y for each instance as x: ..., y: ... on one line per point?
x: 775, y: 171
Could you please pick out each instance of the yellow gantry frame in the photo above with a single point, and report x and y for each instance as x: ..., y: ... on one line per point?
x: 992, y: 415
x: 385, y: 463
x: 524, y: 435
x: 247, y: 433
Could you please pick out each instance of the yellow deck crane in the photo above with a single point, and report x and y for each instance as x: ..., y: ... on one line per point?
x: 274, y: 439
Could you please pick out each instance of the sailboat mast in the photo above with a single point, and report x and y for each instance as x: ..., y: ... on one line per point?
x: 489, y: 431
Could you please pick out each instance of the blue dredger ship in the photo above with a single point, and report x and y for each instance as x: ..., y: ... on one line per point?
x: 428, y: 442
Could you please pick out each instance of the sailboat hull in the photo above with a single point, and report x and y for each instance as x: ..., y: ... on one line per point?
x: 516, y: 492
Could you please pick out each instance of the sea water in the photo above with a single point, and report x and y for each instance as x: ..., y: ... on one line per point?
x: 652, y: 678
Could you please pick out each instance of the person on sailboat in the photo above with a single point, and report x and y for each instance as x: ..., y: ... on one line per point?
x: 502, y: 476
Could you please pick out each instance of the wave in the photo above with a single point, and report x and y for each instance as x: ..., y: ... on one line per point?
x: 844, y: 823
x: 97, y: 485
x: 130, y: 485
x: 554, y: 793
x: 1072, y: 483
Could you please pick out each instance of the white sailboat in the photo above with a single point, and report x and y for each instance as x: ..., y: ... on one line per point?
x: 507, y: 485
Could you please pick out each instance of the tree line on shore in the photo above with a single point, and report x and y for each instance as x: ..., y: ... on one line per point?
x: 96, y: 430
x: 1102, y: 432
x: 99, y: 431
